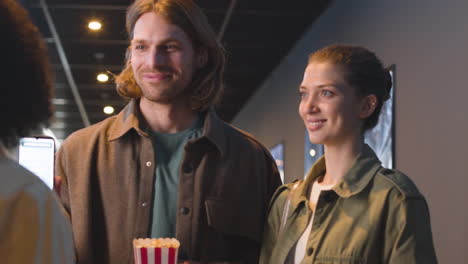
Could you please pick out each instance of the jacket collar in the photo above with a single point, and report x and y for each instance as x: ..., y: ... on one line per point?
x: 130, y: 118
x: 4, y: 152
x: 361, y: 173
x: 214, y: 129
x: 355, y: 180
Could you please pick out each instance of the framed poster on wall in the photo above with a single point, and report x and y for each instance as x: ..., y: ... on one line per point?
x: 312, y: 152
x: 277, y: 151
x: 381, y: 137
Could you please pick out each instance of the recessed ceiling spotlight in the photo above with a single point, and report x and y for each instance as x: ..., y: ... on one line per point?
x: 99, y: 56
x: 94, y: 25
x: 312, y: 152
x: 102, y: 77
x: 108, y: 110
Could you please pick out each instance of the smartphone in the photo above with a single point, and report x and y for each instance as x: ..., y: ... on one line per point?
x: 37, y: 155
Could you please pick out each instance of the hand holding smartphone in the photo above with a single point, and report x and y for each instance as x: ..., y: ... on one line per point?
x: 37, y: 155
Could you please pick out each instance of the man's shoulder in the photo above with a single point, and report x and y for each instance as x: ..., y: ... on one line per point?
x: 245, y: 143
x: 240, y: 136
x: 283, y: 191
x: 91, y: 132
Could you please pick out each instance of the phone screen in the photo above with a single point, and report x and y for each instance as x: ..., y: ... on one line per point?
x: 37, y: 155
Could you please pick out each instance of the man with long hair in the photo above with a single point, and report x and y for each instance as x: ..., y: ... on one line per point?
x: 167, y: 166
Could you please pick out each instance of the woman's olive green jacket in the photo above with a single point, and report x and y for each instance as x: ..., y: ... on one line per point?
x: 374, y: 215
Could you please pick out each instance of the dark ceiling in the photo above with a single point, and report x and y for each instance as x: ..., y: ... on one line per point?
x: 257, y: 34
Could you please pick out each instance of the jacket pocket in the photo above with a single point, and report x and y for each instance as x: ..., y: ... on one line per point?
x: 233, y: 219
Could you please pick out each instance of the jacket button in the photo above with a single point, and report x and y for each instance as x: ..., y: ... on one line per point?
x: 144, y: 204
x: 310, y: 251
x: 188, y: 168
x: 148, y: 164
x: 184, y: 210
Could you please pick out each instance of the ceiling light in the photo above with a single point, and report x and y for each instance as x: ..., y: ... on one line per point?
x: 95, y: 25
x: 102, y: 77
x: 312, y: 152
x: 108, y: 110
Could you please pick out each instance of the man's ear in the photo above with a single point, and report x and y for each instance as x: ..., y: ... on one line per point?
x: 201, y: 58
x: 368, y: 106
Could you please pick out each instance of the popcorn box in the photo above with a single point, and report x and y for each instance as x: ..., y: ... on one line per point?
x: 155, y: 250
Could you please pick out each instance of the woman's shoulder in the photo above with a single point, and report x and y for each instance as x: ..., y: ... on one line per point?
x: 395, y: 179
x: 282, y: 193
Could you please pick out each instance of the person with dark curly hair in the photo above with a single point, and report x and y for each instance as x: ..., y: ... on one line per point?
x: 167, y: 165
x: 33, y: 226
x: 348, y: 209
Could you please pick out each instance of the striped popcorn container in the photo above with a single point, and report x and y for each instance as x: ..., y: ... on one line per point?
x: 155, y: 250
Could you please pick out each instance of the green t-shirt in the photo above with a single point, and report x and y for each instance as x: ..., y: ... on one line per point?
x: 169, y: 151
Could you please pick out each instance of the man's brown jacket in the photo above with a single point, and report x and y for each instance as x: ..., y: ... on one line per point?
x: 226, y: 180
